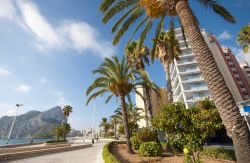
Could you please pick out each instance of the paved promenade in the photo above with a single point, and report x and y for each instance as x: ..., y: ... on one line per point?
x: 87, y: 155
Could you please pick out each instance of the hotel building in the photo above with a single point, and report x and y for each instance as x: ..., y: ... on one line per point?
x: 187, y: 80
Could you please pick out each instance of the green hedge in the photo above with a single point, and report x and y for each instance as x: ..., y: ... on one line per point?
x: 219, y: 153
x: 150, y: 149
x: 56, y: 141
x: 107, y: 156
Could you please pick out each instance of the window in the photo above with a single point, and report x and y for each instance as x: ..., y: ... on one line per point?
x: 232, y: 65
x: 242, y: 86
x: 238, y: 78
x: 245, y: 93
x: 234, y: 71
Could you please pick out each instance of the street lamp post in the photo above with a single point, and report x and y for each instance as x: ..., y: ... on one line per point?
x: 18, y: 105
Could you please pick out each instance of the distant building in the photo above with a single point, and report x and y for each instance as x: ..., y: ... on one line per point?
x: 156, y: 101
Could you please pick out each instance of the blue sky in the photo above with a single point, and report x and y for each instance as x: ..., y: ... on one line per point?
x: 48, y: 49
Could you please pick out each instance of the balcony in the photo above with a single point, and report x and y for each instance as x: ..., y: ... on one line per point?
x: 190, y: 71
x: 186, y: 62
x: 193, y: 80
x: 196, y: 89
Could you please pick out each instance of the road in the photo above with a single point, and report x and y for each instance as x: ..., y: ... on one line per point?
x: 87, y: 155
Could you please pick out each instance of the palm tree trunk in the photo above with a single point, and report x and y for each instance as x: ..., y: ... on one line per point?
x: 125, y: 123
x: 229, y: 112
x: 169, y: 86
x: 148, y: 106
x: 64, y: 135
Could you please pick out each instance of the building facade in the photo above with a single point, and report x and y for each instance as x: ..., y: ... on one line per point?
x: 246, y: 70
x: 188, y: 84
x: 156, y: 101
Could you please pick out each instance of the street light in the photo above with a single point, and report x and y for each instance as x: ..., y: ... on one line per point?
x: 18, y: 105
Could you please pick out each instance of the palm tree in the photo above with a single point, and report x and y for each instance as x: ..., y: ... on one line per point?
x: 158, y: 11
x: 243, y: 38
x: 118, y: 79
x: 58, y: 132
x: 137, y: 58
x: 168, y: 49
x: 66, y: 111
x: 114, y: 121
x: 105, y: 125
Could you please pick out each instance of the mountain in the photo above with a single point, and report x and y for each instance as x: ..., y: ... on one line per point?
x: 32, y: 124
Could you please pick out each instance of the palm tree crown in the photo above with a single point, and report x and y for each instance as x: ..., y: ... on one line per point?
x: 67, y: 110
x: 243, y: 38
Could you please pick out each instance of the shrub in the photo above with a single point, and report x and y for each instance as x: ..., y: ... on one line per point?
x: 56, y: 141
x: 219, y: 153
x: 135, y: 142
x: 107, y: 156
x: 109, y: 134
x: 146, y: 135
x: 150, y: 149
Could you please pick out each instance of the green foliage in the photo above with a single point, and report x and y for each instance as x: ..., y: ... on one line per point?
x: 109, y: 134
x: 243, y: 38
x: 188, y: 127
x: 135, y: 142
x: 141, y: 136
x: 121, y: 130
x: 56, y: 141
x: 107, y: 156
x: 146, y: 135
x: 219, y: 153
x: 58, y: 132
x: 150, y: 149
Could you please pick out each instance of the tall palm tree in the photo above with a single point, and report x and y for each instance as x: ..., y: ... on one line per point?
x: 150, y: 11
x: 137, y: 58
x: 243, y: 38
x: 114, y: 121
x: 58, y: 132
x: 105, y: 125
x: 168, y: 49
x: 118, y: 79
x: 66, y: 111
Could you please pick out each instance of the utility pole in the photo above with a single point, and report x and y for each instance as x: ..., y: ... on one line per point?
x: 18, y: 105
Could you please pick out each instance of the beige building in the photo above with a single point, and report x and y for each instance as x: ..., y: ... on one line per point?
x: 156, y: 99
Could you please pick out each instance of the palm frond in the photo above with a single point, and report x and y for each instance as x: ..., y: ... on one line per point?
x: 218, y: 9
x: 105, y: 5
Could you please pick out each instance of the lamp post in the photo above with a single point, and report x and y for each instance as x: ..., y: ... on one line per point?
x: 18, y: 105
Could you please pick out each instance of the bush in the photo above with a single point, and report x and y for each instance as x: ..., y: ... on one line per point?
x: 146, y: 135
x: 107, y: 156
x: 150, y: 149
x: 219, y: 153
x: 135, y: 142
x: 109, y: 134
x: 56, y: 141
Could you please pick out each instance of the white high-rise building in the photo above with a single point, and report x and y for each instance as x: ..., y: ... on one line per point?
x: 188, y: 84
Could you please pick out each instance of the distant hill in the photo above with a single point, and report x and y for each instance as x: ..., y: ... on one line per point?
x: 32, y: 124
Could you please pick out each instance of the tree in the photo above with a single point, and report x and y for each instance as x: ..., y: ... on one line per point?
x: 66, y: 111
x: 150, y: 11
x: 58, y: 132
x: 190, y: 128
x: 66, y: 129
x: 137, y: 58
x: 168, y: 49
x: 114, y: 121
x: 118, y: 79
x: 243, y: 38
x: 105, y: 125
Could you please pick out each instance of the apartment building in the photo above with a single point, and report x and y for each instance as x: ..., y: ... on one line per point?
x: 188, y: 84
x: 156, y: 99
x: 246, y: 70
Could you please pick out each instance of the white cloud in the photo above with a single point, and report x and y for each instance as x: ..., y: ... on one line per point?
x: 60, y: 99
x: 4, y: 72
x: 225, y: 35
x: 69, y: 35
x: 23, y: 88
x: 43, y: 80
x: 6, y: 109
x: 7, y: 10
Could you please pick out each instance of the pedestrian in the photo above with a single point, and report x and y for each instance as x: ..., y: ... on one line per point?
x: 93, y: 140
